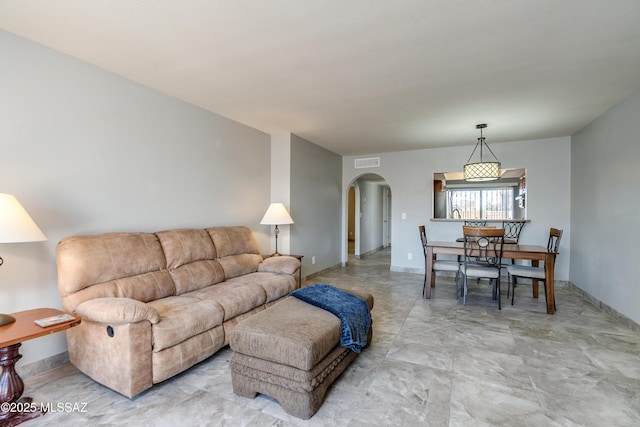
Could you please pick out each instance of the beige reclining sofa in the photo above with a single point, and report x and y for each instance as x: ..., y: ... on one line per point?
x: 155, y: 304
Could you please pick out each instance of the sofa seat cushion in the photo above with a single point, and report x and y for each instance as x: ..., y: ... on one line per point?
x: 182, y: 317
x: 234, y: 298
x: 275, y: 285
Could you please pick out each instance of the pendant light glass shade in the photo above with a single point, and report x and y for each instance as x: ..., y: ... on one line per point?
x: 482, y: 170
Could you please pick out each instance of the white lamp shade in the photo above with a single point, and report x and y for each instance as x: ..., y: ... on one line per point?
x: 276, y: 215
x: 15, y: 223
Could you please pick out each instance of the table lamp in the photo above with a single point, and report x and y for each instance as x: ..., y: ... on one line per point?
x: 276, y: 215
x: 16, y: 226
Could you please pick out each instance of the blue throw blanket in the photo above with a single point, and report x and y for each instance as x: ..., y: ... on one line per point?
x: 352, y: 311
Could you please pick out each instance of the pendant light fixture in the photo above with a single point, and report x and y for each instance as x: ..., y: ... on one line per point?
x: 482, y: 170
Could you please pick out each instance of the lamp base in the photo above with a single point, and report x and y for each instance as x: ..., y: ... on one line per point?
x: 5, y: 319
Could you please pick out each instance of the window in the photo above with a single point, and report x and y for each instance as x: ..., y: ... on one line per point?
x: 483, y: 203
x: 455, y: 198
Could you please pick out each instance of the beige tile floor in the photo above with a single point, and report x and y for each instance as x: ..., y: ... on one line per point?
x: 431, y: 363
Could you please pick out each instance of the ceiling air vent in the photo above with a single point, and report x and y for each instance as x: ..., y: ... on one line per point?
x: 371, y: 162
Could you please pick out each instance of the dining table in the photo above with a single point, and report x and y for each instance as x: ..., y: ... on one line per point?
x: 534, y: 253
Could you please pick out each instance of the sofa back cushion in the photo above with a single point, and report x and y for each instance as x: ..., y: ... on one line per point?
x: 126, y: 265
x: 237, y: 250
x: 191, y: 259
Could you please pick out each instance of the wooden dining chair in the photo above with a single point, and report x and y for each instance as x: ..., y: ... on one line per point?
x: 512, y: 230
x: 475, y: 223
x: 479, y: 224
x: 482, y: 258
x: 534, y: 273
x: 438, y: 264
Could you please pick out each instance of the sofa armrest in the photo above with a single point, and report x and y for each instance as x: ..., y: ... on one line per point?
x: 280, y: 264
x: 117, y: 310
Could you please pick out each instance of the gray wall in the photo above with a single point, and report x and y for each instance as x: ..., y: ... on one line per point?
x: 86, y: 151
x: 316, y: 174
x: 605, y: 165
x: 410, y: 178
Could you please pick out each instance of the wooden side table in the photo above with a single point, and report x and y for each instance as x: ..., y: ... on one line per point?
x: 11, y: 338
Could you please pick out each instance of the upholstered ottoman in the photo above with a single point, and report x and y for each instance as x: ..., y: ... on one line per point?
x: 290, y: 351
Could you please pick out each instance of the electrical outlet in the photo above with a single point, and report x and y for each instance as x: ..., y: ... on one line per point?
x: 313, y: 260
x: 410, y: 256
x: 404, y: 215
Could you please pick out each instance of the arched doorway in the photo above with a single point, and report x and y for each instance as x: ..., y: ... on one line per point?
x: 368, y: 215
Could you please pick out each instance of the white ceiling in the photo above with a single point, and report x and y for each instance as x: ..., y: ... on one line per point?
x: 362, y: 76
